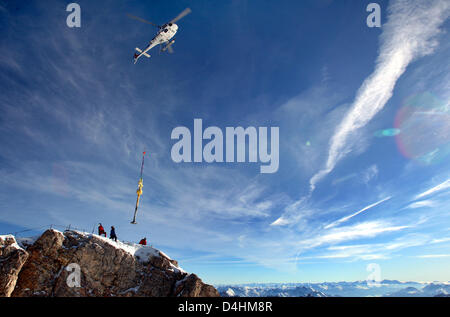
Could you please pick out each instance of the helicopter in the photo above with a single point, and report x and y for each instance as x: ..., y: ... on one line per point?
x: 164, y: 37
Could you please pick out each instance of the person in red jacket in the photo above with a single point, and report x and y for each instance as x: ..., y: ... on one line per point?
x: 143, y: 241
x: 101, y: 230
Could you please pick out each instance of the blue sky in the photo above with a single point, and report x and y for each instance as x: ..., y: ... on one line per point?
x: 364, y: 122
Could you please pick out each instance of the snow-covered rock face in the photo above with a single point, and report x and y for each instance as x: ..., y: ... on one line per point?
x: 106, y: 268
x: 12, y: 258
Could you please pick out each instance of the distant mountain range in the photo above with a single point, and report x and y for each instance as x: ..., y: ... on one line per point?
x: 386, y: 288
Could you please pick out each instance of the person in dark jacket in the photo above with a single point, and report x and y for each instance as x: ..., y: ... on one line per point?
x: 112, y: 234
x: 143, y: 241
x: 101, y: 230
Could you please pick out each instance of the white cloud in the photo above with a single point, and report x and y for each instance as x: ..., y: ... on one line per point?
x: 437, y: 188
x: 420, y: 204
x: 427, y: 256
x: 292, y: 213
x: 369, y: 174
x: 280, y: 222
x: 440, y: 240
x: 344, y: 178
x: 408, y: 34
x: 344, y: 219
x: 357, y: 231
x: 370, y: 251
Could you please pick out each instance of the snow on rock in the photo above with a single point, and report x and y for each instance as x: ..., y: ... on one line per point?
x: 10, y: 241
x: 24, y: 243
x: 142, y: 253
x: 230, y: 292
x: 12, y: 258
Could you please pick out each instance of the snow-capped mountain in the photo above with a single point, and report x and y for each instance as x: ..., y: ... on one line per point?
x: 261, y: 291
x: 430, y: 290
x: 386, y: 288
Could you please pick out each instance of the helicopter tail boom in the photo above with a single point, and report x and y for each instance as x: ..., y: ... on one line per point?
x: 136, y: 55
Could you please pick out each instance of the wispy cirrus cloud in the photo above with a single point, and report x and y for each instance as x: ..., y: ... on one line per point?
x: 357, y: 231
x: 409, y: 34
x: 429, y: 256
x: 420, y: 204
x: 369, y: 251
x: 440, y: 240
x: 344, y: 219
x: 435, y: 189
x: 370, y: 173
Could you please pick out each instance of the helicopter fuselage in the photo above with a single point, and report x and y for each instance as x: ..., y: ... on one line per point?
x: 165, y: 33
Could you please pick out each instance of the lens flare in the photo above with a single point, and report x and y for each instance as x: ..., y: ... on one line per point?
x: 387, y: 133
x: 424, y: 122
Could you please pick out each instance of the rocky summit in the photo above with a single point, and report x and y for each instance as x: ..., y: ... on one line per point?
x: 72, y: 263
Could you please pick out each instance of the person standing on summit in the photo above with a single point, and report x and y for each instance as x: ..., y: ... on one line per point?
x: 101, y: 230
x: 112, y: 234
x: 143, y: 241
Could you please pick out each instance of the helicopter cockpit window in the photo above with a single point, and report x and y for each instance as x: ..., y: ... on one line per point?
x: 165, y: 30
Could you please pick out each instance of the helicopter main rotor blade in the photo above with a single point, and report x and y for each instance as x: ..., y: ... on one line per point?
x: 142, y: 20
x: 181, y: 15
